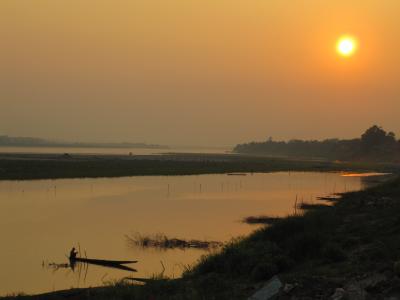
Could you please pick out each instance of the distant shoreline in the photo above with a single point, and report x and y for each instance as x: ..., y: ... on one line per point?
x: 89, y: 145
x: 10, y: 141
x: 58, y: 166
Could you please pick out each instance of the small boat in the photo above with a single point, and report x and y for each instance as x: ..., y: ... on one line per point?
x: 117, y: 264
x: 103, y: 261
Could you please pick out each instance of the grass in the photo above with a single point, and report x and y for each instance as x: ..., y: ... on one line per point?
x: 162, y: 242
x: 267, y: 220
x: 50, y: 166
x: 308, y: 206
x: 318, y: 251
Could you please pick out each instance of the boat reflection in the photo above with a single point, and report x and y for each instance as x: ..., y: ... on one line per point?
x: 115, y: 264
x: 78, y: 264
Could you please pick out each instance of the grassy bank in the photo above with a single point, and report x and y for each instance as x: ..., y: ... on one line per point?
x: 351, y: 247
x: 47, y: 166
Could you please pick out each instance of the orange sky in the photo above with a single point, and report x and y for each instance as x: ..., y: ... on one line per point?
x: 200, y: 72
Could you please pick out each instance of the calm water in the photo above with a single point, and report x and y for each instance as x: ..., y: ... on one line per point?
x: 41, y: 220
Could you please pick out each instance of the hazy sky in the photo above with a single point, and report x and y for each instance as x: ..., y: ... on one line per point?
x: 200, y: 72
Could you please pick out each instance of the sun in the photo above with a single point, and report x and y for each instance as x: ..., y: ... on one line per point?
x: 346, y: 46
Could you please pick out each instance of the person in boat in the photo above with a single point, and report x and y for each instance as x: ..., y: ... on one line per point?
x: 72, y: 254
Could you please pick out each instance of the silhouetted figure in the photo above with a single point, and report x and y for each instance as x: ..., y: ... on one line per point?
x: 72, y: 254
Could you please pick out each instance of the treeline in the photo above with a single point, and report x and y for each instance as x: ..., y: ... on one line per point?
x: 37, y: 142
x: 375, y: 144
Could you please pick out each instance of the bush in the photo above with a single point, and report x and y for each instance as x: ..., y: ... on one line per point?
x: 264, y: 270
x: 334, y: 252
x: 305, y: 245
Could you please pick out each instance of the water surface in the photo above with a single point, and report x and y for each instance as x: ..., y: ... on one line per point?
x: 40, y: 220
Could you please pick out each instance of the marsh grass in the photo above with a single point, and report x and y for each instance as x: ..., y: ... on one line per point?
x: 267, y: 220
x: 162, y: 242
x: 47, y: 166
x: 308, y: 206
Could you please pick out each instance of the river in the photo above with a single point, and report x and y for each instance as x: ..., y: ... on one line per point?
x: 41, y: 220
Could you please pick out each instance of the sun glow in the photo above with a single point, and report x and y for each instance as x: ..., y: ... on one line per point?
x: 346, y: 46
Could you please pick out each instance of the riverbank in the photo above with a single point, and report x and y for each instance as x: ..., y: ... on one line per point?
x: 351, y: 248
x: 54, y: 166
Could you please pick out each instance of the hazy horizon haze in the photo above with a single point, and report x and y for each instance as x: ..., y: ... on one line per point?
x: 197, y: 72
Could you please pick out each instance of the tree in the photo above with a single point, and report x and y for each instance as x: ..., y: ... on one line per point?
x: 377, y: 144
x: 373, y: 136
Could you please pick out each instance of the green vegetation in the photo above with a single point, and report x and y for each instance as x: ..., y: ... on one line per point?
x: 374, y: 145
x: 163, y: 242
x: 51, y: 166
x: 353, y: 243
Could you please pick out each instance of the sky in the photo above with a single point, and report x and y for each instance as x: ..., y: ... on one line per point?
x: 197, y: 72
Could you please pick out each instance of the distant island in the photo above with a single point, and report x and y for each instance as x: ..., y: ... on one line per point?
x: 375, y: 144
x: 8, y: 141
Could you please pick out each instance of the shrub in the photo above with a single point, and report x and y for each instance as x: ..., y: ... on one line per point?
x: 334, y: 252
x: 264, y: 270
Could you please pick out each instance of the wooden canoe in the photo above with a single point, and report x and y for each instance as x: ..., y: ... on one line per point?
x: 116, y: 264
x: 103, y: 261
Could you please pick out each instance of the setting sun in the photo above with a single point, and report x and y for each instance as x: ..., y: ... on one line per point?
x: 195, y: 140
x: 346, y: 46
